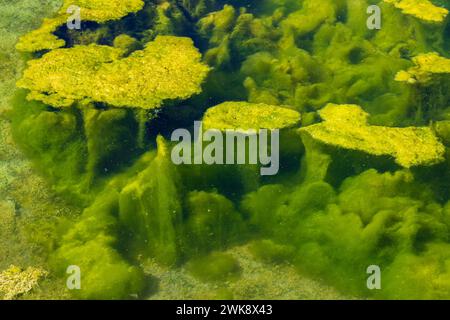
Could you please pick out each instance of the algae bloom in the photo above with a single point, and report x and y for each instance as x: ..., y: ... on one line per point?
x: 93, y: 205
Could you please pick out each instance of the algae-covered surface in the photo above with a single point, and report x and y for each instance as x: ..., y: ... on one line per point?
x: 118, y: 180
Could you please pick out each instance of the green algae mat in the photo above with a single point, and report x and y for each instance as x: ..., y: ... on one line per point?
x: 225, y: 149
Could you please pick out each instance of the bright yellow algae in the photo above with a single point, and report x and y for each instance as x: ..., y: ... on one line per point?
x: 42, y: 38
x: 64, y: 76
x: 426, y: 65
x: 15, y: 281
x: 97, y: 11
x: 422, y: 9
x: 168, y: 68
x: 103, y: 10
x: 245, y: 115
x: 345, y: 126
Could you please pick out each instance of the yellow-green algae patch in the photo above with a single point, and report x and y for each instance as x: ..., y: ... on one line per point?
x: 103, y: 10
x: 90, y: 10
x: 42, y: 38
x: 422, y: 9
x: 426, y: 65
x: 168, y: 68
x: 345, y: 126
x: 63, y: 76
x: 16, y: 281
x: 245, y: 115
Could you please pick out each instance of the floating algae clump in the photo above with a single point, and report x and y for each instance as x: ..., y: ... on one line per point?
x: 86, y: 80
x: 422, y: 9
x: 16, y: 281
x: 90, y: 10
x: 42, y: 38
x: 345, y: 126
x: 104, y: 10
x: 96, y: 73
x: 63, y: 76
x: 426, y: 66
x: 244, y: 115
x: 430, y: 84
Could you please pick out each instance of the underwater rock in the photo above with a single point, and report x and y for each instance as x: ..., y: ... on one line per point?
x: 16, y: 281
x: 345, y: 126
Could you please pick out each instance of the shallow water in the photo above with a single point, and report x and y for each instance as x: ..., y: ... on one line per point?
x: 356, y: 204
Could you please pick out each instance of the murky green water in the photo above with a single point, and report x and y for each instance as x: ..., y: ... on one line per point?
x: 110, y: 190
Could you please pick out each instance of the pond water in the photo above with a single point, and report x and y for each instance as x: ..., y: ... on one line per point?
x: 225, y: 149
